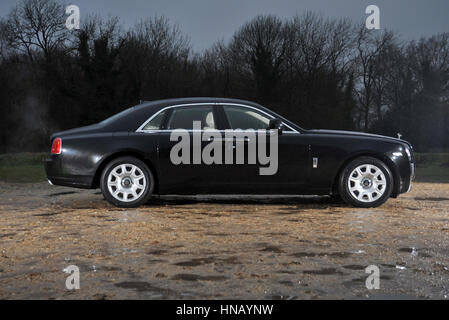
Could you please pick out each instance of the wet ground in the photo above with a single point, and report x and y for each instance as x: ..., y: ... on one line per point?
x: 221, y: 248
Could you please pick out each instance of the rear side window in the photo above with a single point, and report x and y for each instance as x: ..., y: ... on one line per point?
x: 183, y: 118
x: 156, y: 122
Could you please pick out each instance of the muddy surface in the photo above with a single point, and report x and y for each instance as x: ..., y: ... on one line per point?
x: 221, y: 248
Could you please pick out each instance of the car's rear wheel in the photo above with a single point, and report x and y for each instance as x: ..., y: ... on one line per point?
x: 365, y: 182
x: 127, y: 182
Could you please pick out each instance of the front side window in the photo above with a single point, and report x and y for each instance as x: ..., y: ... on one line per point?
x: 246, y: 118
x: 183, y: 118
x: 156, y: 122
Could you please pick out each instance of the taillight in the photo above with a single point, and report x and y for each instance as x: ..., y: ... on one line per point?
x: 56, y: 147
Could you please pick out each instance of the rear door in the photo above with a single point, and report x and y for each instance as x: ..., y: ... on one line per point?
x: 187, y: 173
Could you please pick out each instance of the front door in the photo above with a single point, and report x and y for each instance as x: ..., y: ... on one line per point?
x: 292, y: 159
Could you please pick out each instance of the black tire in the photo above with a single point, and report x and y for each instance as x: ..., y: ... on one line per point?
x: 336, y: 199
x: 361, y: 199
x: 142, y: 197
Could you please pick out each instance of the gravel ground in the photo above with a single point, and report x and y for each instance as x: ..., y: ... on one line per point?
x: 221, y: 247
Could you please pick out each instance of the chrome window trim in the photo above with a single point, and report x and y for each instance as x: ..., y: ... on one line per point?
x: 140, y: 129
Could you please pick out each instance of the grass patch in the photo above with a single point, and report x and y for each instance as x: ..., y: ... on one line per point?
x: 432, y: 167
x: 29, y: 167
x: 22, y: 167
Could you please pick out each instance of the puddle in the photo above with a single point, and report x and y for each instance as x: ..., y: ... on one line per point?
x: 108, y: 268
x: 7, y: 235
x: 354, y: 267
x: 286, y: 272
x: 207, y: 260
x: 230, y: 260
x: 46, y: 214
x: 61, y: 193
x: 153, y: 261
x: 324, y: 272
x: 196, y: 277
x: 286, y: 283
x: 273, y: 249
x: 415, y: 252
x: 160, y: 275
x: 432, y: 199
x: 321, y: 254
x: 360, y: 282
x: 157, y: 252
x: 355, y: 282
x: 195, y: 262
x: 287, y: 211
x: 392, y: 296
x: 328, y: 239
x: 141, y: 286
x: 209, y: 214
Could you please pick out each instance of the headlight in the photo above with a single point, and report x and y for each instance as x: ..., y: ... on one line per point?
x: 409, y: 154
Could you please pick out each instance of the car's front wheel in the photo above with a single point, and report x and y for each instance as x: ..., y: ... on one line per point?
x: 127, y: 182
x: 366, y: 182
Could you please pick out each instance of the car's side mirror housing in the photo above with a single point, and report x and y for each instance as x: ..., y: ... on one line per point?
x: 276, y: 124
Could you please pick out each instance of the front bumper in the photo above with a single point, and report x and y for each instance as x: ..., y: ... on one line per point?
x: 412, y: 177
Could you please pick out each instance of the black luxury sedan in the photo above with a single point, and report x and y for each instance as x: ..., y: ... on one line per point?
x: 208, y: 146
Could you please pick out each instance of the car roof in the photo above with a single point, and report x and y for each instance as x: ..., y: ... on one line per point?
x: 174, y: 101
x: 147, y: 108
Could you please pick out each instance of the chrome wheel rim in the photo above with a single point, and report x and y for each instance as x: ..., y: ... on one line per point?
x: 367, y: 183
x: 126, y: 182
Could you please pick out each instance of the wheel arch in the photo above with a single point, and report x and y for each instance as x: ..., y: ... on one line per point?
x: 388, y: 162
x: 124, y: 153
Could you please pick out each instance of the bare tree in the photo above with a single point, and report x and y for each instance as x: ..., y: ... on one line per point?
x: 152, y: 49
x: 37, y: 25
x: 3, y: 41
x: 319, y: 64
x: 217, y: 68
x: 370, y: 45
x: 258, y: 52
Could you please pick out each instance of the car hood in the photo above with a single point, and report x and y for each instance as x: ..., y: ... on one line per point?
x: 356, y: 134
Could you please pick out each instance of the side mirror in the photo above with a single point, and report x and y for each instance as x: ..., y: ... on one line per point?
x: 276, y: 124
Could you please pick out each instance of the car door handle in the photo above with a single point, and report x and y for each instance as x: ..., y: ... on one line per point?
x: 221, y: 139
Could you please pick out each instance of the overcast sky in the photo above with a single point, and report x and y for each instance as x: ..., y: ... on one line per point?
x: 205, y: 21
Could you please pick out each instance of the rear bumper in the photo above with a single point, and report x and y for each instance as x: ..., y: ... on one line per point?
x: 58, y: 175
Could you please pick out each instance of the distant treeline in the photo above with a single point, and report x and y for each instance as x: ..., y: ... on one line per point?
x: 318, y: 72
